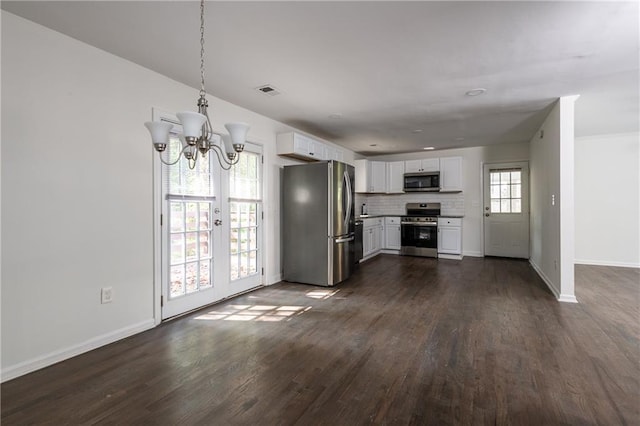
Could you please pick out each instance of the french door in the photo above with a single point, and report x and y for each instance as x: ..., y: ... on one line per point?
x: 245, y: 218
x: 191, y: 233
x: 210, y: 229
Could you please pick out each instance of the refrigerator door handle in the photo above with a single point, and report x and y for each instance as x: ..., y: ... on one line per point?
x: 344, y: 240
x: 347, y: 213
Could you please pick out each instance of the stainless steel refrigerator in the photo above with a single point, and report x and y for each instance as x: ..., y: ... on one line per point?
x: 318, y: 223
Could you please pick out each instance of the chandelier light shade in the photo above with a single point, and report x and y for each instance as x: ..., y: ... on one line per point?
x: 198, y: 135
x: 191, y: 123
x: 238, y: 133
x: 159, y: 133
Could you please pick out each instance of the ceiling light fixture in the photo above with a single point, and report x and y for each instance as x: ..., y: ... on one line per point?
x: 428, y: 148
x: 198, y: 134
x: 417, y: 131
x: 476, y: 92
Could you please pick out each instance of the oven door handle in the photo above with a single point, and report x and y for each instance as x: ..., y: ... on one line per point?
x: 419, y: 223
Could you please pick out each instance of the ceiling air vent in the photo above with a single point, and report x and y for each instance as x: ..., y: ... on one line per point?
x: 268, y: 89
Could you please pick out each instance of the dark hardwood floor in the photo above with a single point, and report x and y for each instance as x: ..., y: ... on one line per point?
x: 404, y: 341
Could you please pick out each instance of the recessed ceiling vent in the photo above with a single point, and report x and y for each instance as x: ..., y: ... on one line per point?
x: 268, y: 89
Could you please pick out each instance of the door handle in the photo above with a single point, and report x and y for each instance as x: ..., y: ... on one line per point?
x: 217, y: 222
x: 345, y: 240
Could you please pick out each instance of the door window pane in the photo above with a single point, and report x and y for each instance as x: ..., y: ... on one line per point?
x: 506, y: 191
x: 177, y: 281
x: 244, y: 181
x: 192, y: 277
x: 190, y: 247
x: 243, y: 239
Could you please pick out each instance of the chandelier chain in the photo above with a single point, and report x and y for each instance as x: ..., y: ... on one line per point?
x: 202, y: 90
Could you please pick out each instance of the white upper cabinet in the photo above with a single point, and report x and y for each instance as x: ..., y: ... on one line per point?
x: 333, y: 154
x: 424, y: 165
x: 300, y: 146
x: 451, y: 174
x: 395, y: 178
x: 371, y: 176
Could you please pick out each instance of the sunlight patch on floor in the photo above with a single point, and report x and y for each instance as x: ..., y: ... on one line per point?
x: 322, y: 294
x: 266, y: 313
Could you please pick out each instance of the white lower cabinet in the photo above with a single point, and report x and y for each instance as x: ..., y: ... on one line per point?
x: 450, y: 237
x: 372, y: 232
x: 392, y: 233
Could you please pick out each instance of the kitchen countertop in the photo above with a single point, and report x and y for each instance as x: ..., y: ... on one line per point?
x: 371, y: 216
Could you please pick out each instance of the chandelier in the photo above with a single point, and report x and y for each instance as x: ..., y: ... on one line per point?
x: 198, y: 136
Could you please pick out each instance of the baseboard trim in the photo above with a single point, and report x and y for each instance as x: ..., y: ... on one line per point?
x: 473, y: 253
x: 390, y: 251
x: 450, y: 256
x: 606, y: 263
x: 566, y: 298
x: 43, y: 361
x: 546, y: 280
x: 274, y: 279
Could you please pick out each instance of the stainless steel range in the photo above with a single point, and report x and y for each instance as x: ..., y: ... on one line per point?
x: 420, y: 230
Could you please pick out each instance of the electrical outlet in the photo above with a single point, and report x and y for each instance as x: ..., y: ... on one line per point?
x: 555, y: 264
x: 106, y: 295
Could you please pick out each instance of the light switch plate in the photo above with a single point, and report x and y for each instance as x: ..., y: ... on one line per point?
x: 106, y: 295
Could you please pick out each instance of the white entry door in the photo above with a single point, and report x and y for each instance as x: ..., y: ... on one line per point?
x: 506, y: 210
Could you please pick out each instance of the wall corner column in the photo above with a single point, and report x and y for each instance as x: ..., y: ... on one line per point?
x: 567, y: 199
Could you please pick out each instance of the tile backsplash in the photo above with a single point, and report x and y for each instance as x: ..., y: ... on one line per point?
x: 451, y: 204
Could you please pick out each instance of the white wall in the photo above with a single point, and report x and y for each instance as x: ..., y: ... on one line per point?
x: 607, y: 198
x: 467, y: 203
x: 552, y: 211
x: 77, y: 193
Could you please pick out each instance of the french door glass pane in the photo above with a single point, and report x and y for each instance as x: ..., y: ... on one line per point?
x: 243, y: 239
x: 177, y: 281
x: 190, y: 247
x: 192, y: 277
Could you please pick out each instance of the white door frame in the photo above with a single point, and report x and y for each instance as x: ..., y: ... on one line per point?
x: 482, y: 199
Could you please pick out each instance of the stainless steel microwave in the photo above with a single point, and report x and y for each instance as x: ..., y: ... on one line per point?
x: 422, y: 182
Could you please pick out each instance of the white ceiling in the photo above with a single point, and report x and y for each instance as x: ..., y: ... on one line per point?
x: 389, y: 68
